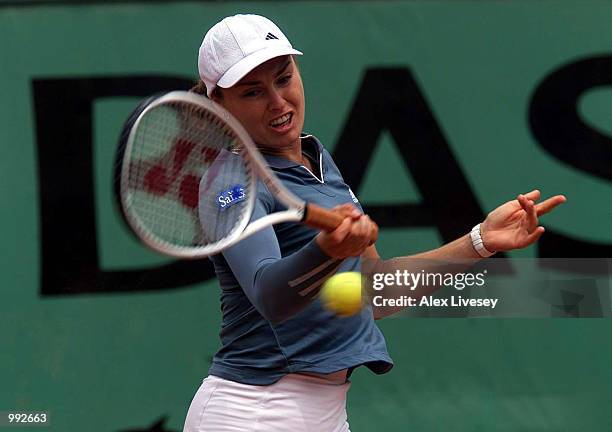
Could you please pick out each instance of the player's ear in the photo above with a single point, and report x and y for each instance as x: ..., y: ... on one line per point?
x: 217, y: 95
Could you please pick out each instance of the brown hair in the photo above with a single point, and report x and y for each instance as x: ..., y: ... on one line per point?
x: 200, y: 88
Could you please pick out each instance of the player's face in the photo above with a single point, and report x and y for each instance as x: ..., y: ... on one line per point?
x: 269, y: 102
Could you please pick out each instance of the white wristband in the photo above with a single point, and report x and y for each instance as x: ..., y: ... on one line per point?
x: 478, y: 243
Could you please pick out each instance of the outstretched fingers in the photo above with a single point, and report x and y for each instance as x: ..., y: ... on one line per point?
x: 531, y: 213
x: 534, y: 195
x: 550, y: 204
x: 532, y: 237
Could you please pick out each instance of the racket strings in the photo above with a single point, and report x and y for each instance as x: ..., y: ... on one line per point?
x: 177, y: 147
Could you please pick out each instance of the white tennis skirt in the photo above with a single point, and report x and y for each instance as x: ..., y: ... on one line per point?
x: 296, y: 403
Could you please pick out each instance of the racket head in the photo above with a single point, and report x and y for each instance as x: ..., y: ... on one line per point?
x: 185, y: 183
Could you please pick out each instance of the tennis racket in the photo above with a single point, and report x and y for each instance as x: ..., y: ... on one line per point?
x: 186, y: 179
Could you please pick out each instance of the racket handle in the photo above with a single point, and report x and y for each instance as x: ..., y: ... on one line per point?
x: 327, y: 220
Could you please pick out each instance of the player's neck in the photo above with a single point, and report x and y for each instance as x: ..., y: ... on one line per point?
x: 291, y: 152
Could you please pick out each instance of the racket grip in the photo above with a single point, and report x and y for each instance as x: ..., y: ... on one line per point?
x: 328, y: 220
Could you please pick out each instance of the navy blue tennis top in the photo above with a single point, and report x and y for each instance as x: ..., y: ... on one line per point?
x: 272, y: 320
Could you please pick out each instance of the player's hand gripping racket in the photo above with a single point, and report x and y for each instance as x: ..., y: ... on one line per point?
x: 187, y: 176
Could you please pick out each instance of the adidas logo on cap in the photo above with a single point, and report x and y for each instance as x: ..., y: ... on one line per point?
x: 270, y: 36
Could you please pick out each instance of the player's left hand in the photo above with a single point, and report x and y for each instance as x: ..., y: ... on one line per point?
x: 514, y: 225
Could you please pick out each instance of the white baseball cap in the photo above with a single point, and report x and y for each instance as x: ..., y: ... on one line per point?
x: 236, y: 45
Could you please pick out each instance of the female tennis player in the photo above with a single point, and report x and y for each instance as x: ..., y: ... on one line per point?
x: 284, y: 362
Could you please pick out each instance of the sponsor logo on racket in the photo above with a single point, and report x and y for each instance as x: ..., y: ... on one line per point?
x: 231, y: 196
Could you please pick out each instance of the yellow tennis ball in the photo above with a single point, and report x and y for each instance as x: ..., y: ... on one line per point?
x: 341, y: 293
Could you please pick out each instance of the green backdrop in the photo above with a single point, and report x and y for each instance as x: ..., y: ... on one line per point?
x: 125, y: 361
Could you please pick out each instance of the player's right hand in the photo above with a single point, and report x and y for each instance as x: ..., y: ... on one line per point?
x: 352, y: 236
